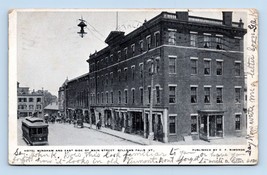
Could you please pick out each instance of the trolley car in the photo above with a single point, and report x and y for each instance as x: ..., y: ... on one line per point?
x: 35, y: 131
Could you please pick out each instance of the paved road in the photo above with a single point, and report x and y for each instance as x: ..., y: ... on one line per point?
x: 65, y: 134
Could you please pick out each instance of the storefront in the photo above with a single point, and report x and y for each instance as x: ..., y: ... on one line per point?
x: 211, y: 124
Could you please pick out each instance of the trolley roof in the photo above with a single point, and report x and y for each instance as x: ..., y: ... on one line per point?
x: 34, y: 122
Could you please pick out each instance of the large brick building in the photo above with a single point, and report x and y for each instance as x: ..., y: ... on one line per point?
x: 29, y: 102
x: 195, y: 67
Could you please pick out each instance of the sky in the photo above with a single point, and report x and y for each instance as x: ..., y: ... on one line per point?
x: 49, y: 50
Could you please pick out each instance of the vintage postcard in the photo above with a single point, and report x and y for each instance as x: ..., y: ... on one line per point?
x: 133, y: 87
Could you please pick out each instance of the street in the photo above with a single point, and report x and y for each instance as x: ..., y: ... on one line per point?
x: 63, y: 134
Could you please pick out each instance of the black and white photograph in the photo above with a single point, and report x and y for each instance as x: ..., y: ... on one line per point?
x: 133, y: 87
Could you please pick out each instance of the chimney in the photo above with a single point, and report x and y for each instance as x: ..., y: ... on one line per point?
x: 183, y: 16
x: 227, y: 18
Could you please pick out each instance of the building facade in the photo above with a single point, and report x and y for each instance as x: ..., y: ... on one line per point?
x: 29, y: 102
x: 187, y: 70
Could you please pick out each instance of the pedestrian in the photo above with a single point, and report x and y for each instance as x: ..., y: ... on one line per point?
x: 98, y: 125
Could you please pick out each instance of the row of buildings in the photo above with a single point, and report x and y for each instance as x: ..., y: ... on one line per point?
x: 187, y: 71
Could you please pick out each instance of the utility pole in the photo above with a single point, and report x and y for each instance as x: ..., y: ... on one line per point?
x: 150, y: 119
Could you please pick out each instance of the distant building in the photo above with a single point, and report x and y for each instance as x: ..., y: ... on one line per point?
x: 52, y: 109
x: 29, y: 102
x: 198, y: 79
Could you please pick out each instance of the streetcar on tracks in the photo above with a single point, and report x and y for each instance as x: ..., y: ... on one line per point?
x: 35, y: 131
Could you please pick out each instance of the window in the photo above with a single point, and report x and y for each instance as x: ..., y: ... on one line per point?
x: 219, y: 42
x: 98, y: 98
x: 38, y: 107
x: 119, y: 75
x: 172, y: 124
x: 219, y: 123
x: 238, y: 95
x: 237, y: 122
x: 141, y: 65
x: 207, y: 41
x: 148, y: 40
x: 133, y: 49
x: 238, y: 43
x: 237, y: 68
x: 206, y: 67
x: 119, y: 97
x: 30, y: 107
x: 157, y: 39
x: 30, y: 99
x: 172, y: 64
x: 106, y: 61
x: 106, y: 79
x: 157, y: 95
x: 38, y: 100
x: 102, y: 98
x: 157, y: 66
x: 193, y: 66
x: 107, y: 97
x: 219, y: 95
x: 172, y: 93
x: 193, y: 123
x: 111, y: 94
x: 193, y: 39
x: 219, y: 67
x: 193, y: 94
x: 141, y: 46
x: 133, y: 72
x: 119, y: 55
x: 172, y: 38
x: 149, y: 94
x: 125, y: 74
x: 125, y: 53
x: 206, y: 94
x: 141, y: 95
x: 126, y: 96
x: 111, y: 58
x: 133, y: 96
x: 111, y: 78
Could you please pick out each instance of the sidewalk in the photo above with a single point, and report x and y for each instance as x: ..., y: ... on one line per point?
x: 129, y: 137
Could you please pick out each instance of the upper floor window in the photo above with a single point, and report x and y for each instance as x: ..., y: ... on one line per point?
x: 125, y: 74
x: 133, y: 72
x: 141, y: 95
x: 119, y: 75
x: 148, y: 41
x: 111, y: 78
x: 194, y: 65
x: 237, y: 94
x: 219, y: 67
x: 125, y: 53
x: 172, y: 64
x: 207, y: 94
x: 126, y: 96
x: 119, y: 55
x: 106, y: 61
x: 30, y: 99
x: 111, y: 94
x: 133, y: 96
x: 141, y: 46
x: 219, y: 94
x: 106, y: 79
x: 133, y: 49
x: 38, y: 107
x: 172, y: 37
x: 141, y: 65
x: 237, y: 43
x: 111, y: 58
x: 38, y: 100
x: 207, y: 66
x: 219, y: 42
x: 157, y: 39
x: 193, y: 94
x: 102, y: 97
x: 149, y: 93
x: 107, y: 97
x: 237, y: 68
x: 207, y: 40
x: 193, y: 39
x: 172, y: 94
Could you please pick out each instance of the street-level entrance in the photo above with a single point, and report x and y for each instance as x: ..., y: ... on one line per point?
x: 211, y: 124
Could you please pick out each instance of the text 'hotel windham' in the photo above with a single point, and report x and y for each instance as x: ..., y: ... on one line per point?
x: 194, y: 67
